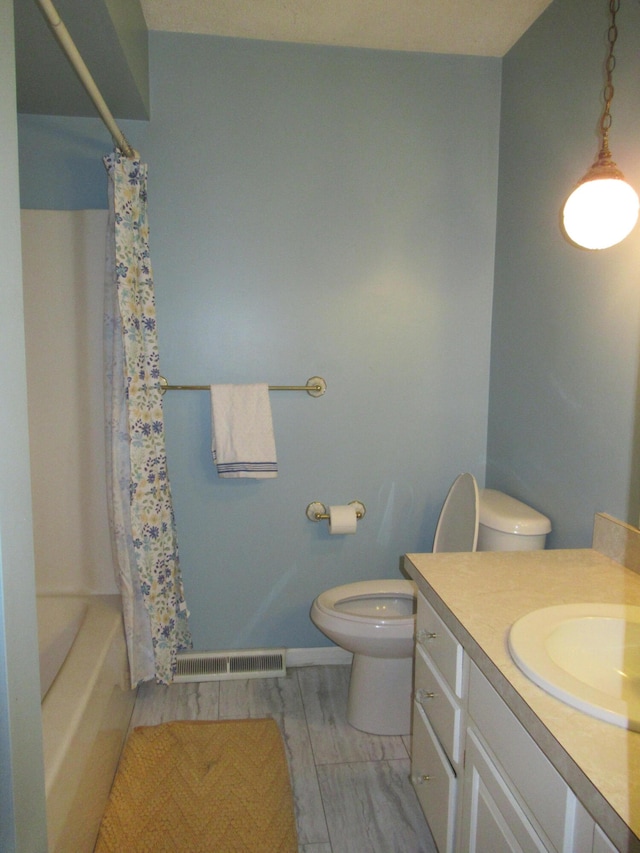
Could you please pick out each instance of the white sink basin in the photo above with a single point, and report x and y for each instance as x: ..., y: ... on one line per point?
x: 588, y: 655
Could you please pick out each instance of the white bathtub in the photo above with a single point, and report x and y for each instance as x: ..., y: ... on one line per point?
x: 86, y: 707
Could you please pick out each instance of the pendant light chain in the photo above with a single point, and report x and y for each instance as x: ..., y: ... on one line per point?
x: 610, y: 64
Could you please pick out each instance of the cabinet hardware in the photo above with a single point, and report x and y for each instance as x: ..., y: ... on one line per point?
x: 422, y: 695
x: 422, y: 636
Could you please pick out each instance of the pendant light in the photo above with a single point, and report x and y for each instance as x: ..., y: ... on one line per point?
x: 603, y: 208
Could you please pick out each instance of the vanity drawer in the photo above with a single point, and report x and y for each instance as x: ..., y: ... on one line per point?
x: 434, y: 781
x: 440, y: 706
x: 437, y: 641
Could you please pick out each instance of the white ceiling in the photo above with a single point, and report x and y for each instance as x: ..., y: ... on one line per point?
x: 474, y: 27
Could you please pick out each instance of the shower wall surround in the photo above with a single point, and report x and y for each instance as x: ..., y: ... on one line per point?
x: 63, y: 275
x: 313, y: 211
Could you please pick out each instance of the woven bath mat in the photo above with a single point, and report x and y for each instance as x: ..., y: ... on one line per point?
x: 191, y: 787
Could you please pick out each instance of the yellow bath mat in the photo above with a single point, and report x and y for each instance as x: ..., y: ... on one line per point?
x: 191, y: 787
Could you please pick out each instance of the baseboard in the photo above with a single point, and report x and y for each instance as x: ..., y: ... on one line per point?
x: 320, y: 656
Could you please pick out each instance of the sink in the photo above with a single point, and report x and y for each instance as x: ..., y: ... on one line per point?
x: 587, y: 655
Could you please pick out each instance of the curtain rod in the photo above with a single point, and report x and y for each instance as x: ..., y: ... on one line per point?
x: 66, y: 43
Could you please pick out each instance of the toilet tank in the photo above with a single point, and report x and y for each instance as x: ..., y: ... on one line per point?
x: 507, y: 524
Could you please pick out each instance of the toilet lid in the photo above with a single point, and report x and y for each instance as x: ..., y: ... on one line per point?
x: 457, y: 528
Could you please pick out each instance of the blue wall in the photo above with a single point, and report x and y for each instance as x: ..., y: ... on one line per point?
x: 563, y: 425
x: 319, y: 210
x: 313, y: 211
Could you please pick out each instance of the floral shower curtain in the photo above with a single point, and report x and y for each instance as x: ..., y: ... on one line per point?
x: 141, y: 512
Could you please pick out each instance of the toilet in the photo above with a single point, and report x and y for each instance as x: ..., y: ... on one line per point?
x: 506, y: 524
x: 375, y: 620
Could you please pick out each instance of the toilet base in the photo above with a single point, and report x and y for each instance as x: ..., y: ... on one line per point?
x: 380, y: 695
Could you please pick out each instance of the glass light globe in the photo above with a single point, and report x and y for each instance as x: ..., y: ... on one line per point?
x: 600, y: 212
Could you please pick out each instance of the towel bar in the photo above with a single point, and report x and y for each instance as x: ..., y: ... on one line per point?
x: 315, y: 387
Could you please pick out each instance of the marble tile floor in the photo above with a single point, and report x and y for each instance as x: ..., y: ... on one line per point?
x: 351, y: 790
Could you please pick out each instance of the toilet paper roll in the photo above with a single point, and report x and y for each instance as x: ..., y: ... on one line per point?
x: 342, y: 519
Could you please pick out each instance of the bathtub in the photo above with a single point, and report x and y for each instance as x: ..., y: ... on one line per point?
x: 86, y: 708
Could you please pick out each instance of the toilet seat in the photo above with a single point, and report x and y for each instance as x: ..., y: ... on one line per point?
x: 336, y: 601
x: 457, y: 528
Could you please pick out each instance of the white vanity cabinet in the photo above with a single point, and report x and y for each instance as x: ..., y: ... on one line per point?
x: 483, y: 783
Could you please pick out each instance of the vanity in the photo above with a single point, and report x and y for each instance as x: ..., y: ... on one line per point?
x: 498, y: 763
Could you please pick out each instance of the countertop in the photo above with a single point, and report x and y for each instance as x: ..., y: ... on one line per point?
x: 479, y: 596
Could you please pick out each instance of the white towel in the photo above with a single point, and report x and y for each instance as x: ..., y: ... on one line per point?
x: 242, y: 431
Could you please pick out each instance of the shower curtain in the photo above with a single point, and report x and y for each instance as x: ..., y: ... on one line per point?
x: 141, y: 512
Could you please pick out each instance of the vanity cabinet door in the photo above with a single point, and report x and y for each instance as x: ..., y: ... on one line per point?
x: 492, y: 819
x: 434, y: 781
x: 531, y: 777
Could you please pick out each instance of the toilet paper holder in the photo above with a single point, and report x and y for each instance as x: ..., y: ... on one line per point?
x: 317, y: 511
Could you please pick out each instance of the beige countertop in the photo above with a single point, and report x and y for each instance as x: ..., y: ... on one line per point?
x: 479, y: 596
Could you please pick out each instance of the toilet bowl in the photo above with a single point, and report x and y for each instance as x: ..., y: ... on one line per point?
x: 375, y: 620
